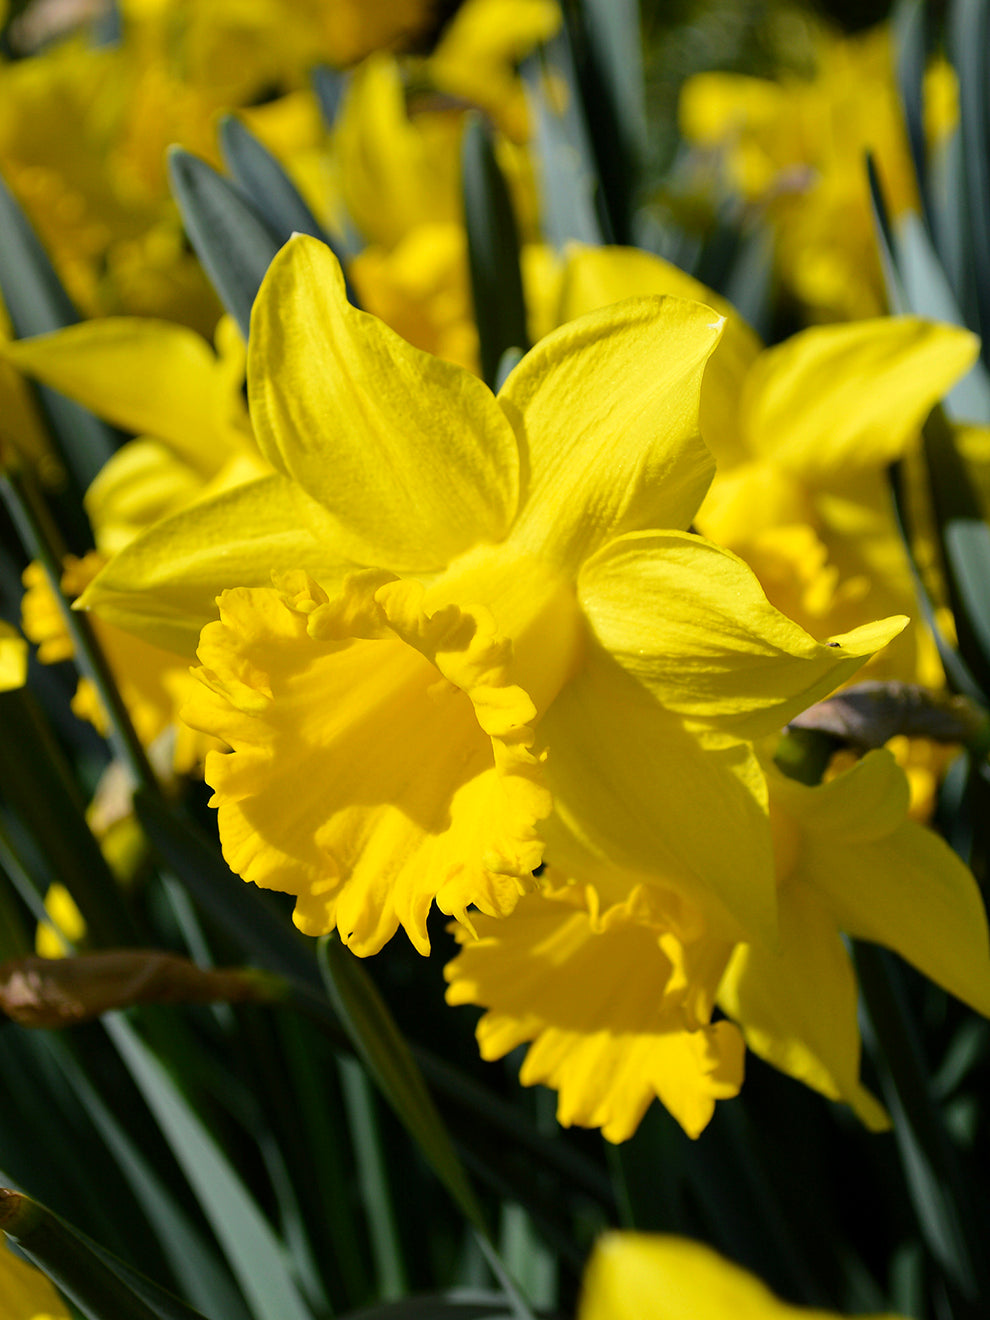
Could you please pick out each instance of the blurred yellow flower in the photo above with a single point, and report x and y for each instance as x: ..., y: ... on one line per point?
x: 797, y: 147
x: 13, y: 658
x: 634, y: 1275
x: 27, y: 1293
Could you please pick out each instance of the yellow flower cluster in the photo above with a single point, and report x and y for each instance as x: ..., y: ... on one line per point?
x: 523, y: 655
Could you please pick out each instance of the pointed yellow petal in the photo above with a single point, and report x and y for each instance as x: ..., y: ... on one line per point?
x: 635, y: 1275
x: 150, y: 377
x: 597, y: 276
x: 690, y: 622
x: 164, y: 585
x: 631, y: 784
x: 903, y: 887
x: 836, y: 398
x: 797, y: 1004
x: 13, y: 658
x: 606, y: 411
x: 410, y: 455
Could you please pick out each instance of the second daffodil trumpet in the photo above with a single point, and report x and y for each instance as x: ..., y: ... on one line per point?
x: 454, y: 626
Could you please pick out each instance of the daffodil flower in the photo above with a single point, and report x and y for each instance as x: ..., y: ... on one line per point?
x: 13, y: 658
x: 850, y: 860
x: 614, y: 988
x: 27, y: 1293
x: 487, y: 627
x: 670, y: 1278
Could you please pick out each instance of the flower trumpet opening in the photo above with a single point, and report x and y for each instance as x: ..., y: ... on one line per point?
x: 382, y: 755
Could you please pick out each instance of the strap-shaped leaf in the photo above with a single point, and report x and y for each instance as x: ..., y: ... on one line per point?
x: 611, y: 81
x: 969, y: 46
x: 37, y: 303
x: 385, y: 1054
x: 100, y: 1285
x: 256, y: 1256
x: 493, y: 251
x: 255, y: 169
x: 928, y: 293
x: 329, y: 86
x: 909, y: 45
x: 569, y: 186
x: 965, y: 542
x: 232, y: 239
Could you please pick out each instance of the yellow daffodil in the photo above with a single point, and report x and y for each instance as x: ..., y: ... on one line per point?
x: 614, y: 982
x: 617, y: 1004
x: 849, y: 859
x: 802, y: 434
x: 479, y: 52
x: 632, y: 1275
x: 797, y: 146
x: 27, y: 1293
x: 484, y: 610
x: 13, y: 658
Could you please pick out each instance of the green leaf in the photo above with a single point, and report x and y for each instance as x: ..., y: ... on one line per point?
x: 194, y: 1264
x: 269, y: 188
x: 928, y: 293
x: 329, y: 86
x: 460, y: 1305
x: 569, y: 187
x: 38, y: 786
x: 373, y: 1180
x: 255, y: 1254
x: 384, y: 1052
x: 965, y: 542
x: 493, y: 251
x: 103, y: 1287
x: 37, y: 303
x: 969, y: 47
x: 611, y: 80
x: 233, y: 240
x: 909, y: 42
x: 945, y: 1209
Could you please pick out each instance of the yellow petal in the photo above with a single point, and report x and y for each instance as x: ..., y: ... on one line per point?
x: 13, y: 658
x: 892, y: 881
x: 634, y: 1275
x: 379, y: 760
x: 597, y: 276
x: 164, y: 585
x: 611, y: 1025
x: 606, y: 411
x: 27, y: 1293
x: 410, y: 455
x: 797, y: 1004
x: 139, y: 485
x: 691, y: 623
x: 841, y: 397
x: 633, y: 785
x: 150, y: 377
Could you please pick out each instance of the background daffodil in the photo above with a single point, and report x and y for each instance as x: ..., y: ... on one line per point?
x: 473, y: 616
x: 669, y: 1278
